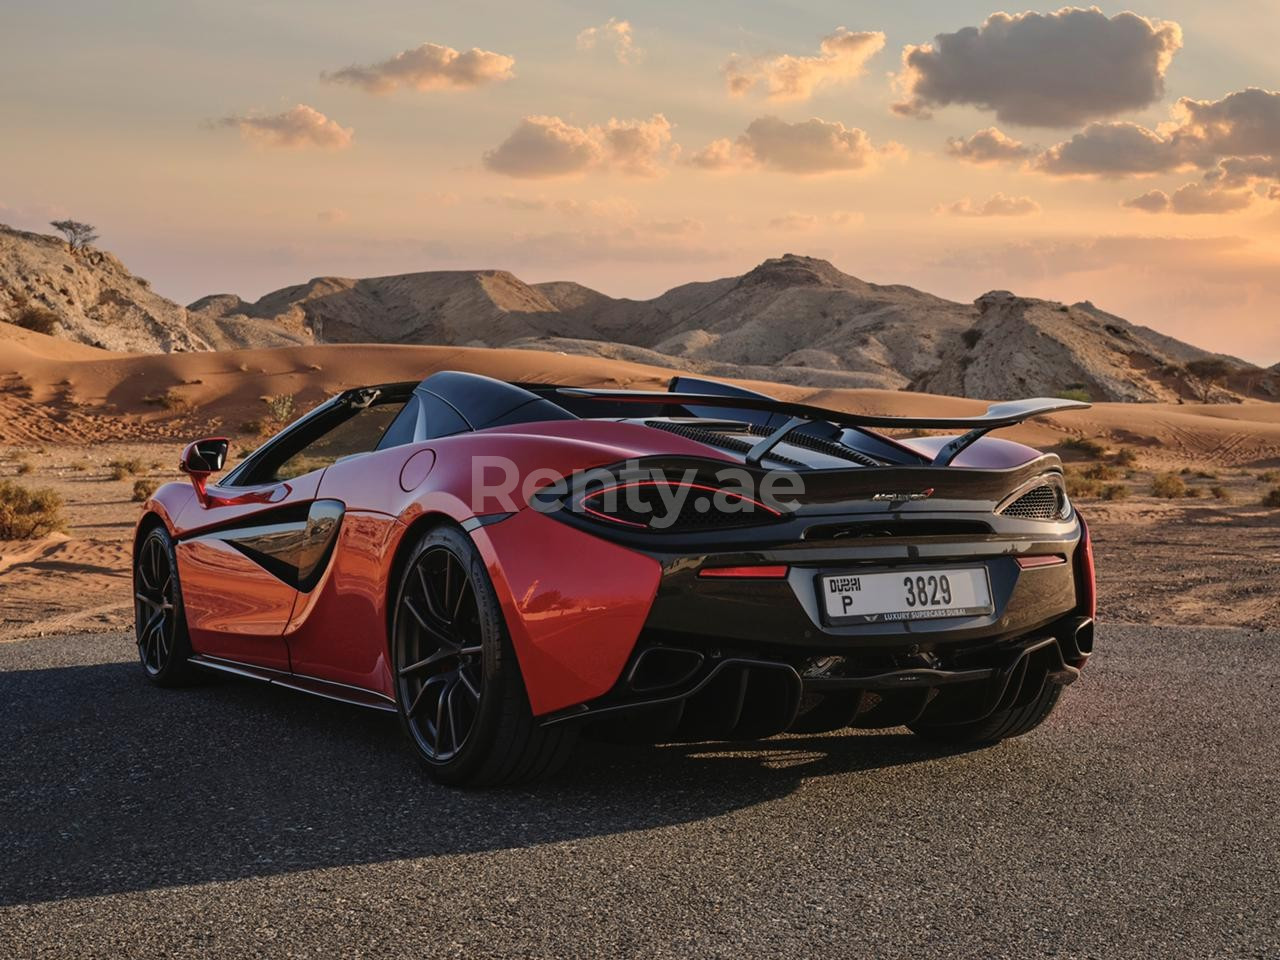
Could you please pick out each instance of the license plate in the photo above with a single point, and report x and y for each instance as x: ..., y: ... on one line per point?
x: 907, y: 595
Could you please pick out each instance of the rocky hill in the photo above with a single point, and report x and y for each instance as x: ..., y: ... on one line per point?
x: 792, y: 319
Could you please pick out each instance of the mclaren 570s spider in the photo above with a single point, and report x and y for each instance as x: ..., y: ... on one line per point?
x: 507, y: 565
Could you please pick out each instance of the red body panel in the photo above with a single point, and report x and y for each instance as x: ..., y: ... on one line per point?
x: 338, y: 630
x: 234, y: 608
x: 574, y: 604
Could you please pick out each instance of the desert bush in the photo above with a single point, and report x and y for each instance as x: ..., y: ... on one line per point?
x: 24, y: 466
x: 1192, y: 492
x: 1272, y: 498
x: 1126, y: 457
x: 280, y: 407
x: 1074, y: 393
x: 121, y: 469
x: 1115, y: 491
x: 1220, y: 493
x: 37, y: 318
x: 255, y: 428
x: 1169, y: 486
x: 1206, y: 475
x: 1101, y: 471
x: 1079, y: 485
x: 1086, y: 445
x: 169, y: 400
x: 1269, y: 476
x: 28, y: 514
x: 143, y: 488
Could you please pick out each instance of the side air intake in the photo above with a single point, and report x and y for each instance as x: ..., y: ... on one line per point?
x: 1047, y: 500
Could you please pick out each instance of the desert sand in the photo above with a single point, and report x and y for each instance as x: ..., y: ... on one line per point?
x: 68, y: 410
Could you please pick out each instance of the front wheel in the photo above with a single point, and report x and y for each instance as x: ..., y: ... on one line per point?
x: 460, y: 695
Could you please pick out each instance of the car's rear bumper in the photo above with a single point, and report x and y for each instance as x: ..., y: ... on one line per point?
x: 694, y: 693
x: 585, y: 611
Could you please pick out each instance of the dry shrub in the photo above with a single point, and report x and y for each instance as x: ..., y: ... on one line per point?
x: 1081, y: 486
x: 1126, y: 457
x: 143, y: 489
x: 1220, y: 493
x: 1269, y: 476
x: 1169, y: 486
x: 170, y: 400
x: 1115, y: 491
x: 29, y: 514
x: 121, y: 469
x: 280, y: 407
x: 1085, y: 445
x: 1101, y: 471
x: 38, y: 319
x: 24, y: 466
x: 1272, y: 498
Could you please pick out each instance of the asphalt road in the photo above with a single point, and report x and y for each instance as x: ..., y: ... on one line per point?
x: 230, y: 819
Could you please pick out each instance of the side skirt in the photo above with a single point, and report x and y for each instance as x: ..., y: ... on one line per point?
x: 328, y: 689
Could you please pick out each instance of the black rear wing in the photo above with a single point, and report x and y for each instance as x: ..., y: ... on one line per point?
x: 997, y: 416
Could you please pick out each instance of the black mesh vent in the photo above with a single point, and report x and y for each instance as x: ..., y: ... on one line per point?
x: 713, y: 439
x: 1038, y: 503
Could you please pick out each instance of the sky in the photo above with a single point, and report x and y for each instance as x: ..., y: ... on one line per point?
x: 1129, y: 156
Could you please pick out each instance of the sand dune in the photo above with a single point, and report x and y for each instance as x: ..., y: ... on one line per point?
x: 54, y: 390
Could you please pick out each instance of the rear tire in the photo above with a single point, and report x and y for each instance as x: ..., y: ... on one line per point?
x: 159, y: 620
x: 459, y: 691
x: 1001, y: 725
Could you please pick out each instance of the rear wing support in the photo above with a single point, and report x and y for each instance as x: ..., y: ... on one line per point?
x: 998, y: 415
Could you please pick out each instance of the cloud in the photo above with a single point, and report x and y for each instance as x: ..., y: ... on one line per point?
x: 810, y: 146
x: 796, y: 222
x: 637, y: 147
x: 842, y: 218
x: 1116, y: 149
x: 1237, y: 136
x: 1050, y: 70
x: 1153, y: 201
x: 428, y: 67
x: 997, y: 205
x: 1196, y: 198
x: 842, y: 56
x: 300, y: 127
x: 543, y: 147
x: 988, y: 146
x: 615, y: 33
x: 332, y: 216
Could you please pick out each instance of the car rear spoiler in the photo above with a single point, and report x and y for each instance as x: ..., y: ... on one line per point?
x: 998, y: 415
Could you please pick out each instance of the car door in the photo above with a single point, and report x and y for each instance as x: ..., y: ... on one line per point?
x: 232, y: 567
x: 264, y: 534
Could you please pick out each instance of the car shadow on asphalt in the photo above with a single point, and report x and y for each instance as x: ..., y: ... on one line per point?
x: 108, y: 784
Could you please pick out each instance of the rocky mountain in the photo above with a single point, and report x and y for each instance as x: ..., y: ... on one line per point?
x: 792, y: 319
x: 1020, y: 346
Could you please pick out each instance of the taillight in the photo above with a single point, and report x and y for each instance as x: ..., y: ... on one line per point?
x: 1086, y: 579
x: 672, y: 506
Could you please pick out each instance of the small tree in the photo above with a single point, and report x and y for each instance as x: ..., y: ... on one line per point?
x: 79, y: 235
x: 1210, y: 371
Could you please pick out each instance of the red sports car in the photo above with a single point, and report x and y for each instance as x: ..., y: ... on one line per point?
x: 505, y: 565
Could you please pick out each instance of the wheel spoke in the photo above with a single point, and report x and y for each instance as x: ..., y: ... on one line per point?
x: 453, y: 717
x: 430, y: 661
x: 472, y: 688
x: 438, y: 649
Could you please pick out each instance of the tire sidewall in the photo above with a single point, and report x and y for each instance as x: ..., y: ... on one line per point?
x: 175, y: 669
x: 497, y: 661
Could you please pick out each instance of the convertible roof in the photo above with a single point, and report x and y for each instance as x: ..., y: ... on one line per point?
x: 484, y: 402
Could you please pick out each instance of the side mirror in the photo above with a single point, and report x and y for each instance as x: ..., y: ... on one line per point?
x: 202, y: 459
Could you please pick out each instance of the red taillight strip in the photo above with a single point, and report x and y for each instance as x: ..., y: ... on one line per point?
x: 775, y: 572
x: 582, y: 503
x: 1041, y: 561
